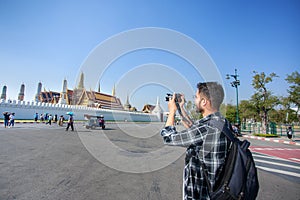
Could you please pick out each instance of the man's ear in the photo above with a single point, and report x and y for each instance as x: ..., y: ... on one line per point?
x: 203, y: 101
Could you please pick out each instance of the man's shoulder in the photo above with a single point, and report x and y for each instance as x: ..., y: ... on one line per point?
x: 204, y: 127
x: 211, y: 119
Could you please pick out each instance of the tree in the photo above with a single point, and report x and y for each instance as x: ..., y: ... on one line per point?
x: 256, y: 103
x: 223, y: 109
x: 294, y: 89
x: 285, y: 109
x: 263, y: 99
x: 230, y: 113
x: 247, y: 110
x: 277, y: 116
x: 285, y: 102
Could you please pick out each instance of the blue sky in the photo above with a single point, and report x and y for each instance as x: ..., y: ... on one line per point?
x: 48, y: 41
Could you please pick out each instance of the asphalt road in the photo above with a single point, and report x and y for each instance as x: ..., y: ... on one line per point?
x: 282, y: 178
x: 39, y: 161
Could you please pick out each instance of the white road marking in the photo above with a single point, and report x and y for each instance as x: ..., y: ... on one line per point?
x: 272, y: 149
x: 297, y: 159
x: 279, y: 164
x: 279, y: 171
x: 270, y: 157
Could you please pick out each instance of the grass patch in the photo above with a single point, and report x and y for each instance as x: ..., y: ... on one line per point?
x: 265, y: 135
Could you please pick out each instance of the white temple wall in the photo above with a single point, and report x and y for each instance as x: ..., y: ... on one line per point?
x: 27, y: 110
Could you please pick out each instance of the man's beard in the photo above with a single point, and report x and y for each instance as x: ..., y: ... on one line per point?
x: 199, y: 109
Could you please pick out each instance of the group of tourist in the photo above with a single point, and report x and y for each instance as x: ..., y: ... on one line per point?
x: 9, y: 119
x: 48, y: 118
x: 60, y: 121
x: 45, y: 117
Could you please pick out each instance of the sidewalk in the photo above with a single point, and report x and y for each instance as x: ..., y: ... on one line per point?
x: 281, y: 139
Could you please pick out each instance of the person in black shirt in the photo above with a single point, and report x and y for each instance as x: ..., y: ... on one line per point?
x: 6, y: 118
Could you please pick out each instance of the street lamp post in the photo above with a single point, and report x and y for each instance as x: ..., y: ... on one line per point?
x: 235, y: 84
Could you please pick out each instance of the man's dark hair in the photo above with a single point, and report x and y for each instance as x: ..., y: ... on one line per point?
x: 213, y: 91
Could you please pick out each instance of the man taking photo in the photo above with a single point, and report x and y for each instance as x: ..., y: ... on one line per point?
x: 204, y: 142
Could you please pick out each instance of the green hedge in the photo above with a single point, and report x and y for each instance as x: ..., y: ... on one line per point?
x: 265, y: 135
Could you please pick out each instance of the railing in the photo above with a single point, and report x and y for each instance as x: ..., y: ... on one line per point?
x: 272, y: 128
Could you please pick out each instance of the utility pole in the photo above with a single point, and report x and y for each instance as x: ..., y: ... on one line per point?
x: 235, y: 84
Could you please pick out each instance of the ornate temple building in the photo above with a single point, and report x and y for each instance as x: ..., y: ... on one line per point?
x: 152, y: 108
x: 128, y: 107
x: 148, y: 108
x: 80, y: 96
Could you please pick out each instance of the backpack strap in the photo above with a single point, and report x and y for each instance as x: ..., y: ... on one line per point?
x: 224, y: 128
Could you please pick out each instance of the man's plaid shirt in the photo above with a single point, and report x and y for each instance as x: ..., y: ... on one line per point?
x: 204, y: 142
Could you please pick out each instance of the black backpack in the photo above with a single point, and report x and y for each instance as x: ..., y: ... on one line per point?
x: 237, y: 178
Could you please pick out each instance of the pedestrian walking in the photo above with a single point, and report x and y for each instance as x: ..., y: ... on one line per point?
x: 46, y: 116
x: 6, y: 118
x: 12, y: 120
x: 36, y: 116
x: 42, y: 118
x: 204, y: 142
x: 49, y: 119
x: 55, y: 118
x: 70, y: 123
x: 61, y: 120
x: 289, y: 132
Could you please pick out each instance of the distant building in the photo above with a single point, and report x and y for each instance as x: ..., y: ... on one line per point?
x: 148, y: 108
x: 127, y: 105
x: 157, y: 110
x: 81, y: 96
x: 97, y: 99
x: 49, y: 97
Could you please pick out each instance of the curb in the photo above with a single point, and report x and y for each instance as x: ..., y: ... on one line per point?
x: 25, y: 122
x: 271, y: 140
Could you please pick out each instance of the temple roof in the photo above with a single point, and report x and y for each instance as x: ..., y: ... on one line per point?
x: 102, y: 100
x: 148, y: 108
x: 49, y: 96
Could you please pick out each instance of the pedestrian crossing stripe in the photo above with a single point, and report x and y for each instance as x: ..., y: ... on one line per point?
x: 296, y: 159
x: 279, y: 171
x: 272, y: 149
x: 278, y: 164
x: 260, y: 160
x: 269, y: 157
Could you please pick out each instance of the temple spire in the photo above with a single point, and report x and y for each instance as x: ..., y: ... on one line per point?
x: 127, y: 105
x: 157, y: 102
x: 63, y: 94
x: 38, y: 92
x: 113, y: 93
x: 21, y: 93
x: 127, y: 99
x: 158, y: 110
x: 99, y: 87
x: 81, y: 81
x: 3, y: 95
